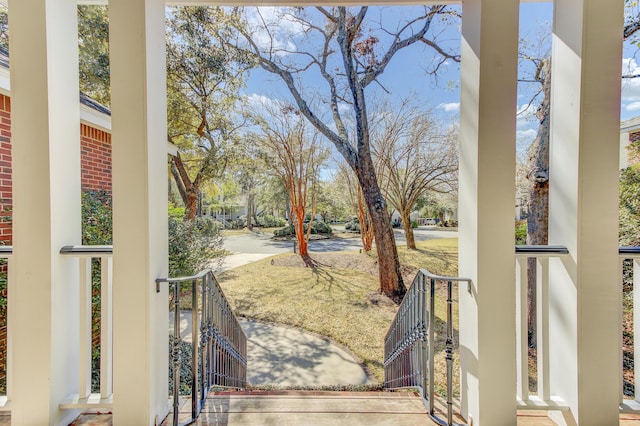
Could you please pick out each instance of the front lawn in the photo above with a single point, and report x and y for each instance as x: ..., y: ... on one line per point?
x: 338, y: 298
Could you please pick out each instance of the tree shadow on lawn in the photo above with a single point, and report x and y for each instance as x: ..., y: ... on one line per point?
x: 448, y: 258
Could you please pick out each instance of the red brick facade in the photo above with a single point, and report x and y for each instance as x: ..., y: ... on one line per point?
x: 95, y: 162
x: 95, y: 159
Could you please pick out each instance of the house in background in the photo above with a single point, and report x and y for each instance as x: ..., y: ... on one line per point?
x: 629, y: 132
x: 95, y: 146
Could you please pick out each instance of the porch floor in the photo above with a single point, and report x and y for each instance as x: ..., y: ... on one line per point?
x: 315, y: 408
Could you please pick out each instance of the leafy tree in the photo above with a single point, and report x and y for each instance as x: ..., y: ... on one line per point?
x: 93, y: 41
x: 297, y: 156
x: 203, y: 82
x: 630, y: 200
x: 414, y: 154
x: 349, y: 52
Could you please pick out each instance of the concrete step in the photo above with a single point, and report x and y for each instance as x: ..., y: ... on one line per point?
x: 311, y: 408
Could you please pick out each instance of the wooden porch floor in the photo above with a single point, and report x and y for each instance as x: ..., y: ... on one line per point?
x: 316, y: 408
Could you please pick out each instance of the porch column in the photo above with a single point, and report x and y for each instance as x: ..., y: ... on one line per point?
x: 583, y: 208
x: 487, y: 199
x: 44, y: 286
x: 139, y: 135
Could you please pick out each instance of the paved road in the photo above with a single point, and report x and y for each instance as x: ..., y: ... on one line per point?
x: 261, y: 243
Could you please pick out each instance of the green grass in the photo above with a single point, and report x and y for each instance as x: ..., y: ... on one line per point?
x: 330, y: 301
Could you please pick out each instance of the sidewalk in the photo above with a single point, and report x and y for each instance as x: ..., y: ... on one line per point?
x: 285, y: 356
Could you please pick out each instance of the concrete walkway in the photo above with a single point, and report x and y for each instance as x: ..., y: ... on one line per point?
x: 284, y: 356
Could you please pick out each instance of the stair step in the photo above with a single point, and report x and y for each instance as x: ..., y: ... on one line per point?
x: 311, y: 408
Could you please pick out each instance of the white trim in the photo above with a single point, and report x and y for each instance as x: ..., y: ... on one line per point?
x: 96, y: 119
x: 5, y: 81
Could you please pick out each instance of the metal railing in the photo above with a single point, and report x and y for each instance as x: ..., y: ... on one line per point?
x: 6, y: 253
x: 218, y: 344
x: 631, y: 255
x: 409, y: 346
x: 543, y: 399
x: 85, y: 398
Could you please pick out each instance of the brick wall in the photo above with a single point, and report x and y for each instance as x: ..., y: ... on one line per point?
x: 95, y: 160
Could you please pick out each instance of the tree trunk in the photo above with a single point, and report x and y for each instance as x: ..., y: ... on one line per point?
x: 408, y: 230
x: 366, y: 231
x: 250, y: 211
x: 301, y: 237
x: 191, y: 205
x: 391, y: 283
x: 538, y: 205
x: 188, y: 190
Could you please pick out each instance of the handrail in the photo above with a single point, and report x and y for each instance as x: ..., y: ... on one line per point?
x: 410, y: 341
x: 629, y: 250
x: 86, y: 250
x: 218, y: 344
x: 541, y: 249
x: 197, y: 276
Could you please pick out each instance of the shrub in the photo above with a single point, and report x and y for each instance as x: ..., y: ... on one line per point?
x: 414, y: 224
x: 352, y: 225
x: 97, y: 218
x: 630, y: 206
x: 270, y: 221
x: 176, y: 212
x: 317, y: 227
x: 193, y: 245
x: 521, y: 232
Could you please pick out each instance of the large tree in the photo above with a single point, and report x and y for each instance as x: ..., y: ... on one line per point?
x: 203, y: 83
x: 346, y: 52
x: 415, y: 153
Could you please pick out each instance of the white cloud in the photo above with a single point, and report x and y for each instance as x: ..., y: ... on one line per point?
x: 630, y: 86
x: 523, y: 141
x: 260, y: 101
x: 526, y: 115
x: 275, y: 30
x: 450, y: 107
x: 633, y: 106
x: 528, y: 134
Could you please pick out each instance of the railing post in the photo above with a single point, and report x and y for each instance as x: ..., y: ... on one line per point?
x: 542, y: 326
x: 432, y: 344
x: 195, y: 353
x: 636, y: 326
x: 522, y: 349
x: 449, y: 353
x: 176, y: 349
x: 106, y: 326
x: 424, y: 311
x: 84, y: 329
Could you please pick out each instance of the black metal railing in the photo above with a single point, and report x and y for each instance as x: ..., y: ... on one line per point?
x: 218, y: 344
x: 410, y: 342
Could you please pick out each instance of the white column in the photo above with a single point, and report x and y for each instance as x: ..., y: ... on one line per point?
x: 140, y: 320
x: 487, y: 197
x: 583, y: 208
x: 46, y: 216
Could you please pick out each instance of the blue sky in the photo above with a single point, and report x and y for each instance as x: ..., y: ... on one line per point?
x: 407, y: 76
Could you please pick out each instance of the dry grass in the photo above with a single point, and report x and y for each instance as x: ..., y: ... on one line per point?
x: 340, y: 303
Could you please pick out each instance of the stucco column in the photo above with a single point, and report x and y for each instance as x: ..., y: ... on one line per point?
x: 487, y: 197
x: 46, y: 215
x: 583, y: 208
x: 139, y: 135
